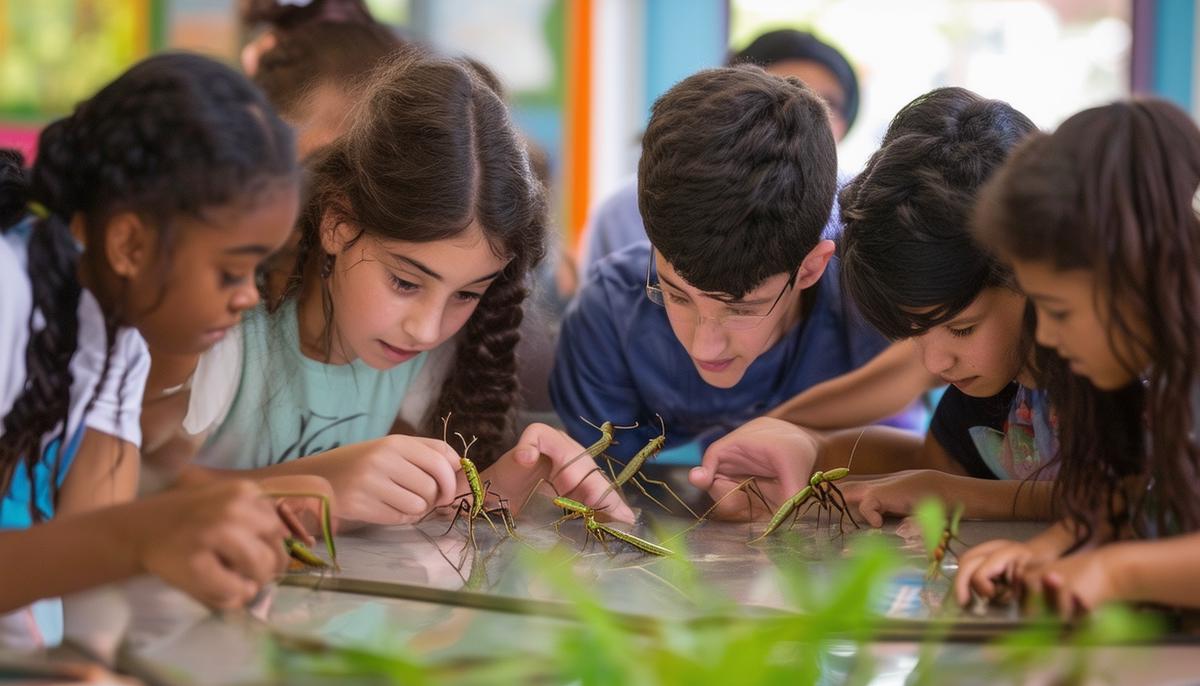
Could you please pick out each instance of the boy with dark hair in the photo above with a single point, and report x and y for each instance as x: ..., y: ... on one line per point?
x: 725, y: 314
x: 910, y: 263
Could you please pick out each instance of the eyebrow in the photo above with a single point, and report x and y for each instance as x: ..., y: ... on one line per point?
x: 723, y: 298
x: 959, y: 322
x: 1044, y: 297
x: 249, y: 249
x: 430, y: 272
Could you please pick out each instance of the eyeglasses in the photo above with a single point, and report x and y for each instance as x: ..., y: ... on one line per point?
x: 732, y: 322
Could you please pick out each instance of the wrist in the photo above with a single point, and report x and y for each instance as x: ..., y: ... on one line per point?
x: 1126, y: 571
x: 119, y: 531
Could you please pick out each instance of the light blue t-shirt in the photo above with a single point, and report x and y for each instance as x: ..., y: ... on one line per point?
x: 289, y: 406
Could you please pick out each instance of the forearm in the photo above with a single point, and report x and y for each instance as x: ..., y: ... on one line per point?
x: 992, y: 499
x: 197, y: 474
x: 876, y: 450
x: 68, y: 554
x: 104, y: 472
x: 1163, y: 571
x: 883, y: 387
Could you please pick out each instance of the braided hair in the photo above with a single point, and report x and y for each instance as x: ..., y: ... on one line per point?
x: 176, y: 134
x: 432, y: 151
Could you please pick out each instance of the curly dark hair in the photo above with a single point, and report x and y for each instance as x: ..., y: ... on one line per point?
x: 737, y: 177
x: 176, y: 134
x: 1112, y: 192
x: 908, y: 257
x: 443, y: 141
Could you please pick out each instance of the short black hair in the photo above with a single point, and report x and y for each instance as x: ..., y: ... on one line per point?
x: 783, y: 45
x: 737, y: 177
x: 908, y: 257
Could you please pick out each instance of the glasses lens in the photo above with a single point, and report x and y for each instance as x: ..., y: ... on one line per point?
x: 655, y: 295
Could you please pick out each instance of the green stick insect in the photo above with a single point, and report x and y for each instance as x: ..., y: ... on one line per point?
x: 600, y: 531
x: 938, y: 532
x: 631, y: 472
x: 472, y: 505
x: 295, y: 547
x: 820, y: 492
x: 595, y: 450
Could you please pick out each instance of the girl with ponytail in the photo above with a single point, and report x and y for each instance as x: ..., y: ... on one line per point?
x: 422, y: 226
x: 142, y: 221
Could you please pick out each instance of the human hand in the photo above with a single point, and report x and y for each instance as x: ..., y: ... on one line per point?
x: 220, y: 542
x: 993, y: 569
x: 545, y: 454
x: 893, y: 494
x: 779, y: 456
x: 1079, y: 583
x: 395, y: 479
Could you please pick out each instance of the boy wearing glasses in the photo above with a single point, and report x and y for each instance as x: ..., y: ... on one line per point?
x: 725, y: 314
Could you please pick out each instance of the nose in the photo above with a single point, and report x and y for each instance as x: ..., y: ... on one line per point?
x: 245, y: 297
x: 936, y: 358
x: 1044, y: 332
x: 423, y: 323
x: 708, y: 338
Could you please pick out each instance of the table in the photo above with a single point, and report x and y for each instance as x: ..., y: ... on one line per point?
x: 401, y: 588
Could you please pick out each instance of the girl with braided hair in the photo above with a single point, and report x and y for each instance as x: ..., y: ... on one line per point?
x: 422, y: 226
x: 145, y: 215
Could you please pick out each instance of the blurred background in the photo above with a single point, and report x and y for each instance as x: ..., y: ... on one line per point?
x: 582, y: 74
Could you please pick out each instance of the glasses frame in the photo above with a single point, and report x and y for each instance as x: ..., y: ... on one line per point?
x: 744, y: 322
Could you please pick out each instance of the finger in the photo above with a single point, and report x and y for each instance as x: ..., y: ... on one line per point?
x: 217, y: 586
x: 727, y: 504
x: 1058, y: 595
x: 701, y: 478
x: 254, y: 557
x: 871, y: 511
x: 442, y: 484
x: 539, y: 439
x: 404, y: 498
x: 598, y: 494
x: 968, y: 563
x: 292, y: 520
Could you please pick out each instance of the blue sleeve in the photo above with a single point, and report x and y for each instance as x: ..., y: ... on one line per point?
x: 615, y: 225
x: 591, y: 377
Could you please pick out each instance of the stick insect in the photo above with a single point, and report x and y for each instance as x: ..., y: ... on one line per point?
x: 631, y: 472
x: 933, y: 519
x: 300, y: 552
x: 472, y: 505
x: 607, y: 431
x: 820, y: 492
x: 600, y: 531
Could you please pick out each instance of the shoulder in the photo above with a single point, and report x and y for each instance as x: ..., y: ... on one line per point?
x: 623, y: 273
x: 215, y: 383
x: 16, y: 295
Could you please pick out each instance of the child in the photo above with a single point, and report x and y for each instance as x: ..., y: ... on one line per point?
x: 423, y: 224
x: 311, y: 76
x: 147, y: 211
x: 915, y: 272
x: 725, y: 314
x: 1099, y: 221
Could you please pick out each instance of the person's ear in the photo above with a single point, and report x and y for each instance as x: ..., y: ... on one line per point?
x: 336, y: 235
x: 129, y: 245
x: 814, y: 264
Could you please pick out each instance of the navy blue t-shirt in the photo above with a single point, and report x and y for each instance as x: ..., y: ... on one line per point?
x: 619, y: 360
